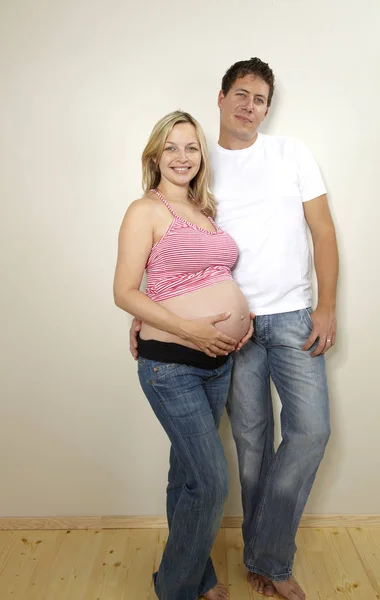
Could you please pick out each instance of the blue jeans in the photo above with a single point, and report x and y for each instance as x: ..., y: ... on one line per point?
x: 189, y: 402
x: 275, y: 486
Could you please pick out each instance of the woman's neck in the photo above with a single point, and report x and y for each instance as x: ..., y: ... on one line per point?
x: 172, y: 192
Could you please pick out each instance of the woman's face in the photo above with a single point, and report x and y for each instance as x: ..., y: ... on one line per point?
x: 181, y: 157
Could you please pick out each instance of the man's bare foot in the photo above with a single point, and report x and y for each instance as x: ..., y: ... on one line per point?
x: 261, y: 584
x: 219, y: 592
x: 289, y: 589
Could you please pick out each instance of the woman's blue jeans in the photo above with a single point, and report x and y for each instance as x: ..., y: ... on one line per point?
x: 189, y: 402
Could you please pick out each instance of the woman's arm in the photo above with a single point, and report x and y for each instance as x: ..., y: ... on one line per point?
x: 135, y: 244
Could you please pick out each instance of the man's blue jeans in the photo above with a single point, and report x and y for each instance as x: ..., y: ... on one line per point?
x: 189, y: 403
x: 275, y: 486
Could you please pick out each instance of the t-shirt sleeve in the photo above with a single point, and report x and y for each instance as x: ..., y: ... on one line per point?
x: 310, y: 181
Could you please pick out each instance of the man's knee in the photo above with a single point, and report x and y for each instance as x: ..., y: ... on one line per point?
x: 319, y: 438
x: 310, y: 447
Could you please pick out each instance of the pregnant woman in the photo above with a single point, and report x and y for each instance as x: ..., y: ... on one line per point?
x: 193, y: 316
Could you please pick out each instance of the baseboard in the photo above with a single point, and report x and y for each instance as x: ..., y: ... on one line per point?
x: 120, y: 522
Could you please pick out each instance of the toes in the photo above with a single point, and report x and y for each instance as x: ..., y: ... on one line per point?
x: 253, y: 580
x: 222, y: 592
x: 219, y: 592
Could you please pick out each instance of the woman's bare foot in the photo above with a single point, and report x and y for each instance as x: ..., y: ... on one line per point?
x: 219, y: 592
x: 289, y: 589
x: 261, y: 584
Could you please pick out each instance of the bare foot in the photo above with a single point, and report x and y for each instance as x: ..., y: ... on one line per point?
x: 219, y: 592
x: 261, y: 584
x: 289, y: 589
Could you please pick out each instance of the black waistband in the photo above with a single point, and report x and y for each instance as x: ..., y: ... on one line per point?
x: 168, y: 352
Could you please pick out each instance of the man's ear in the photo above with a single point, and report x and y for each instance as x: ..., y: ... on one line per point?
x: 221, y: 97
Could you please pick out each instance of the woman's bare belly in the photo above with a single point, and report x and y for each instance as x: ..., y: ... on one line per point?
x: 221, y: 297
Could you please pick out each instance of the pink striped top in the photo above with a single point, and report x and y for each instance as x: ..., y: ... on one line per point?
x: 188, y: 258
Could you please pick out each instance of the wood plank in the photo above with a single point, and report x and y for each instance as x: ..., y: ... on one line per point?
x: 43, y: 546
x: 367, y: 544
x: 147, y: 522
x: 356, y: 580
x: 162, y: 539
x: 6, y: 549
x: 238, y: 586
x: 143, y: 546
x: 73, y: 557
x: 340, y: 521
x: 331, y: 564
x: 329, y: 567
x: 30, y: 550
x: 14, y: 557
x: 314, y: 566
x: 219, y: 557
x: 111, y: 565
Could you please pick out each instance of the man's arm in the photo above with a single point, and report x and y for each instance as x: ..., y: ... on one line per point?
x: 133, y: 343
x: 318, y: 218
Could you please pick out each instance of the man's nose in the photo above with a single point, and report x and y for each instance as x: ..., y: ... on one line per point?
x: 249, y: 104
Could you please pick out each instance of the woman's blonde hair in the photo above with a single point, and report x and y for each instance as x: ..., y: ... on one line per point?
x: 151, y: 176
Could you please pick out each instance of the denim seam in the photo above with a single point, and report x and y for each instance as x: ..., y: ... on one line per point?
x: 186, y: 451
x: 193, y: 435
x: 262, y: 504
x: 204, y: 590
x: 175, y: 428
x: 262, y: 501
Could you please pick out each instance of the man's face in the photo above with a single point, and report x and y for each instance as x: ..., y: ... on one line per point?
x: 243, y: 109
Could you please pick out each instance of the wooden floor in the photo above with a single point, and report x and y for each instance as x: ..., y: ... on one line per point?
x: 117, y: 564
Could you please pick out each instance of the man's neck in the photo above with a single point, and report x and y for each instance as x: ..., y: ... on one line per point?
x: 230, y: 142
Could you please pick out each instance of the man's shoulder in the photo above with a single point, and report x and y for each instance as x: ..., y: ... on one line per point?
x: 282, y: 142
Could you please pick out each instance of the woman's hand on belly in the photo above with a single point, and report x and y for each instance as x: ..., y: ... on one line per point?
x: 248, y: 335
x: 203, y: 333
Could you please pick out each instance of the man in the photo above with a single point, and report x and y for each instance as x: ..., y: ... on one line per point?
x: 268, y: 188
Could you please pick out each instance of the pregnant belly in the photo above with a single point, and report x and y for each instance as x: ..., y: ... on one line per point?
x: 221, y: 297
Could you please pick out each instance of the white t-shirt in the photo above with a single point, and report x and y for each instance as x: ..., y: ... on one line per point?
x: 260, y: 192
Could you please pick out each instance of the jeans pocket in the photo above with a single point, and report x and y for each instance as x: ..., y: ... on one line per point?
x: 159, y: 371
x: 306, y: 315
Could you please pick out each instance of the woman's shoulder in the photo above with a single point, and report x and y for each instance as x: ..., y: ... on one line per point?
x: 146, y: 203
x: 148, y: 208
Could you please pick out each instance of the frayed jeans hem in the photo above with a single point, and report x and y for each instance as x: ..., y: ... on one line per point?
x: 253, y: 569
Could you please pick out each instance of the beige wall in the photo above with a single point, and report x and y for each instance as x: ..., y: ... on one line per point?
x: 83, y: 83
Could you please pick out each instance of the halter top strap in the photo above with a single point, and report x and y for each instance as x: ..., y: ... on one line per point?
x: 168, y: 206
